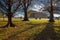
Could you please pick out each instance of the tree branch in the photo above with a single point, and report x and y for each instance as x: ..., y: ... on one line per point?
x: 1, y: 10
x: 17, y: 6
x: 28, y: 3
x: 1, y: 5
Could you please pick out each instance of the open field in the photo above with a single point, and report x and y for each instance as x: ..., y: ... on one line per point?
x: 30, y: 30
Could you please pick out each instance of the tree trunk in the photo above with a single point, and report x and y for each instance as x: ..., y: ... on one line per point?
x: 51, y: 13
x: 25, y: 15
x: 10, y: 21
x: 10, y: 14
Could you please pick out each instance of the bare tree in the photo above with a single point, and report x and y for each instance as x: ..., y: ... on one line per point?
x: 26, y: 4
x: 9, y: 4
x: 51, y: 12
x: 50, y: 9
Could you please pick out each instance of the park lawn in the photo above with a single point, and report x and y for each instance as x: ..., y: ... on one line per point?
x: 26, y: 30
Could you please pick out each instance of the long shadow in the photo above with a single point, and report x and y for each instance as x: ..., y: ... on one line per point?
x: 18, y: 32
x: 47, y: 34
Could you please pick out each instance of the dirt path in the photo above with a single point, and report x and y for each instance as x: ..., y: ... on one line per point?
x: 47, y: 34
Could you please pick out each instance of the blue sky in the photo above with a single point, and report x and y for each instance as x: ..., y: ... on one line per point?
x: 36, y: 6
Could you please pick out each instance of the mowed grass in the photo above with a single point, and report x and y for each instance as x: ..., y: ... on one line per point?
x: 25, y: 30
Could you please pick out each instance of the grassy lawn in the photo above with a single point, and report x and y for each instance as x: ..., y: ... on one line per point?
x: 28, y: 30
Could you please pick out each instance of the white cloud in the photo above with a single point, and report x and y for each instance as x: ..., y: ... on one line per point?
x: 19, y: 15
x: 56, y: 15
x: 37, y: 7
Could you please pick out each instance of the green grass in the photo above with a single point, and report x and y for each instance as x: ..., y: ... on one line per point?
x: 26, y: 30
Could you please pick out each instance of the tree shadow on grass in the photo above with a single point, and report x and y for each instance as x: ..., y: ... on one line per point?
x: 18, y: 32
x: 47, y: 34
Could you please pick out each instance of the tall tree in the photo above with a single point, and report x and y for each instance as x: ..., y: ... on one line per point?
x: 8, y: 7
x: 51, y: 12
x: 26, y: 4
x: 50, y: 9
